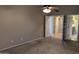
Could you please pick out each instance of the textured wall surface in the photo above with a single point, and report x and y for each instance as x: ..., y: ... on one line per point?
x: 19, y: 24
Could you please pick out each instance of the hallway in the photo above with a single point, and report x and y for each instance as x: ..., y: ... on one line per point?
x: 45, y: 46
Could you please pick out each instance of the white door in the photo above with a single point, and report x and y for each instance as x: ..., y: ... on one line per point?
x: 49, y: 26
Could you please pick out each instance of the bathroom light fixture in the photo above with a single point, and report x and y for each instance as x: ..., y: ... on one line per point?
x: 49, y: 9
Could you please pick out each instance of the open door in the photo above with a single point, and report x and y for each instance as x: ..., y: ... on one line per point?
x: 49, y: 26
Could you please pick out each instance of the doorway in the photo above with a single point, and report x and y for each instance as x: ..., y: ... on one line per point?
x: 54, y: 26
x: 71, y: 27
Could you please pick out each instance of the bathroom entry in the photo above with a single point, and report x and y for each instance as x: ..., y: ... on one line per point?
x: 54, y: 26
x: 73, y: 27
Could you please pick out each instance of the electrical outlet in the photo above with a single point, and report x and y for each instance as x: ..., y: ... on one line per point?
x: 12, y: 41
x: 21, y: 38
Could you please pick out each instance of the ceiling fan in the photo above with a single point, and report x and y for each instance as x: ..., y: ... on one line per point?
x: 49, y: 8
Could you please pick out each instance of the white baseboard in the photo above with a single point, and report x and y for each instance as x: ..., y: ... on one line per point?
x: 21, y: 44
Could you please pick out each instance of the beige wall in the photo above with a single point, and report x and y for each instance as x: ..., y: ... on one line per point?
x: 19, y: 24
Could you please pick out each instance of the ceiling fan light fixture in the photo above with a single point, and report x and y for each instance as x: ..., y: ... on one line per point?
x: 49, y: 9
x: 46, y: 10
